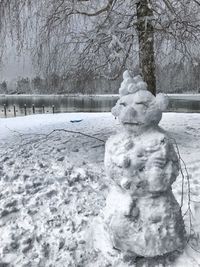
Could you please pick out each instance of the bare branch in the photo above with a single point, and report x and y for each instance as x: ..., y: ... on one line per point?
x: 100, y: 11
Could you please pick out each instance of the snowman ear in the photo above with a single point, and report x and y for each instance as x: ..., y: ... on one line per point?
x: 162, y: 101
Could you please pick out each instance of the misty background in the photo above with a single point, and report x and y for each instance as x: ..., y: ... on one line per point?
x: 48, y: 48
x: 19, y: 76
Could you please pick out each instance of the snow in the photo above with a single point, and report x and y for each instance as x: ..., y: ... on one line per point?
x: 131, y: 85
x: 141, y: 162
x: 51, y: 187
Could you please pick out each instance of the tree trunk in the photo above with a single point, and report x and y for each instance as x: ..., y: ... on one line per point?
x: 146, y: 44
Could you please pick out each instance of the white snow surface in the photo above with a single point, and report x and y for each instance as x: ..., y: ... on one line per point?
x: 52, y: 186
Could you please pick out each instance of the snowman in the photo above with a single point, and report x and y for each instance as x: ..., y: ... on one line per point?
x: 141, y: 217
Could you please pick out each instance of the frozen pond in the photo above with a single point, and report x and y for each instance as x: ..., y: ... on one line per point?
x: 20, y: 105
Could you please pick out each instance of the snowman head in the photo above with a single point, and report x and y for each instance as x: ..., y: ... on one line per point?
x: 137, y: 107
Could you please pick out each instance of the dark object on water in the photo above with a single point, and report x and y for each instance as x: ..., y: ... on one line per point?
x: 74, y: 121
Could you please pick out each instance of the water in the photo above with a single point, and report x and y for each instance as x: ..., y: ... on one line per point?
x: 20, y: 105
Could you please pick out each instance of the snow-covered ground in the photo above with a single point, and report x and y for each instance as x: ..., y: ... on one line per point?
x: 52, y: 185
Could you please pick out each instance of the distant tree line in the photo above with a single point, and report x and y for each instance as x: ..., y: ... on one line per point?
x: 171, y: 78
x: 55, y: 84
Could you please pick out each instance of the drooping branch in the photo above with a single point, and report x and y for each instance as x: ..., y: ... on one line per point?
x: 197, y: 2
x: 98, y: 12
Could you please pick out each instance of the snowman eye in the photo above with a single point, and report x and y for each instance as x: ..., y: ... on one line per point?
x: 122, y: 104
x: 141, y: 103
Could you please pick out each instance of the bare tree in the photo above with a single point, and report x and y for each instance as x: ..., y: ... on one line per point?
x: 106, y: 36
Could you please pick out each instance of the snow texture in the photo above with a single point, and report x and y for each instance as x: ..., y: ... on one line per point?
x: 52, y: 188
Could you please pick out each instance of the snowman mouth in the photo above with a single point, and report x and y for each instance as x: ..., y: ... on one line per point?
x: 133, y: 123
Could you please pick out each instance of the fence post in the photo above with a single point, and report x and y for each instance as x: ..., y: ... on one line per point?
x: 43, y: 109
x: 14, y: 109
x: 25, y: 113
x: 5, y: 113
x: 33, y: 107
x: 53, y: 109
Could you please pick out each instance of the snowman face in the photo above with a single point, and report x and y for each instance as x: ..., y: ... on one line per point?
x: 137, y: 110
